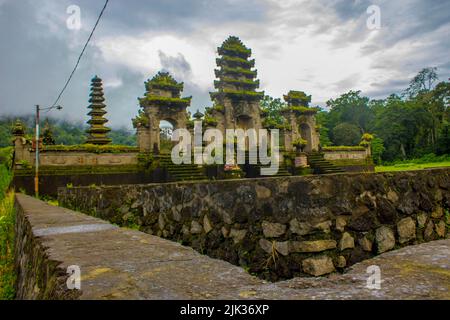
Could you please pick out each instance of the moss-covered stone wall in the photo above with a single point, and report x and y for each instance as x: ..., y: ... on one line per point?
x: 279, y: 228
x: 38, y: 276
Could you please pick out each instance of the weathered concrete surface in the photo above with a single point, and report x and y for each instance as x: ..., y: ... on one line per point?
x: 120, y: 263
x: 414, y: 272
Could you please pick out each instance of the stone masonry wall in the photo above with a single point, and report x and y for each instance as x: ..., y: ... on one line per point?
x: 346, y: 155
x: 38, y: 276
x: 57, y: 158
x: 282, y: 227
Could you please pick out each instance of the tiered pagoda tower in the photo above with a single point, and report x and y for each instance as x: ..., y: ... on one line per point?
x: 236, y: 101
x: 97, y: 133
x: 162, y: 101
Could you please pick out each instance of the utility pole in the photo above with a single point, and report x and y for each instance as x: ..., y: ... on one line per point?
x: 36, y: 176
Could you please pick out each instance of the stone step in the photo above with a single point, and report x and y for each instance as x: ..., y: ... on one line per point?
x: 320, y: 165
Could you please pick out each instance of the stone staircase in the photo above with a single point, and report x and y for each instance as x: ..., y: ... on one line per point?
x: 322, y: 166
x: 181, y: 172
x: 282, y: 170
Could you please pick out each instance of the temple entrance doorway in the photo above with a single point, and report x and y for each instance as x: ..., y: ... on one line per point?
x: 166, y: 128
x: 306, y: 133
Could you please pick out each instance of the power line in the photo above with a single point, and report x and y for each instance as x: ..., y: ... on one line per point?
x: 81, y: 55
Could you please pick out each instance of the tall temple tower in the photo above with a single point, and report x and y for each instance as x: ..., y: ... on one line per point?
x: 236, y: 101
x: 162, y: 101
x: 97, y: 133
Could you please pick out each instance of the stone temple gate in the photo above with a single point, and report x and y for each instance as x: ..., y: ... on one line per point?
x: 162, y: 101
x: 236, y: 104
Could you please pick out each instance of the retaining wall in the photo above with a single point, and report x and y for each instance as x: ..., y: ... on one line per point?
x: 282, y: 227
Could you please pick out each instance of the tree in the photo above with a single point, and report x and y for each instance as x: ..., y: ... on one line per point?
x: 5, y: 136
x: 403, y: 125
x: 47, y: 135
x: 324, y: 132
x: 123, y: 136
x: 443, y: 143
x: 272, y: 109
x: 346, y: 134
x: 350, y: 108
x: 422, y: 82
x: 377, y: 147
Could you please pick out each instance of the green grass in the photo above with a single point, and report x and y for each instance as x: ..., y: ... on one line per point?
x: 412, y: 166
x: 7, y: 217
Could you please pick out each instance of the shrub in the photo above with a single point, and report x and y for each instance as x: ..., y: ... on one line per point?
x: 7, y: 217
x: 6, y: 155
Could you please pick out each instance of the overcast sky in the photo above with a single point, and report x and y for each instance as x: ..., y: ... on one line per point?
x: 322, y: 47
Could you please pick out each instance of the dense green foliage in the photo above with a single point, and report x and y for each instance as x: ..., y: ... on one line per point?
x: 123, y: 136
x: 63, y: 131
x: 346, y: 134
x: 323, y: 125
x: 272, y: 111
x: 405, y: 126
x: 7, y: 216
x: 6, y: 156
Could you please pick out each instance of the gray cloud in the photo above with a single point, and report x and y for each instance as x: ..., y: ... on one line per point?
x: 177, y: 65
x: 381, y: 90
x: 38, y: 51
x: 348, y: 82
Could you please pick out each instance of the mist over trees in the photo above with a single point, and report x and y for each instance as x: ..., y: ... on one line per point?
x: 64, y: 132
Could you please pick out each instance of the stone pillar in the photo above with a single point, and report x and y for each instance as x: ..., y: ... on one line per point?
x: 143, y: 139
x: 21, y: 145
x: 288, y: 140
x: 292, y: 134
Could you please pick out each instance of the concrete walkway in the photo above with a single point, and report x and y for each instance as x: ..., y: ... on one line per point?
x: 118, y: 263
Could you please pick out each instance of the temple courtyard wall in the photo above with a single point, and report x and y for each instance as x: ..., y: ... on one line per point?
x: 279, y: 228
x: 350, y: 159
x: 88, y: 165
x: 87, y: 159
